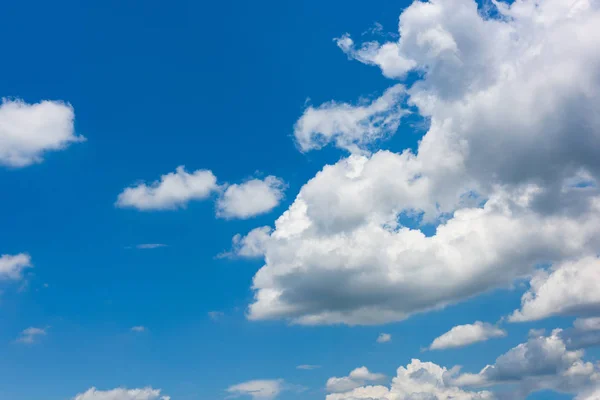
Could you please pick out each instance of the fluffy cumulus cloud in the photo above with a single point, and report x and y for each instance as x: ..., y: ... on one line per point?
x: 28, y: 131
x: 507, y: 170
x: 12, y: 266
x: 568, y: 288
x: 258, y: 389
x: 464, y: 335
x: 417, y: 381
x: 356, y: 378
x: 351, y: 127
x: 251, y: 198
x: 250, y: 246
x: 121, y: 394
x: 174, y: 190
x: 542, y: 363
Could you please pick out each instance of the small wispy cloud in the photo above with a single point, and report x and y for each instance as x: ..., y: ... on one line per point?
x: 215, y: 315
x: 146, y: 246
x: 30, y: 335
x: 384, y: 338
x: 308, y: 367
x: 139, y: 328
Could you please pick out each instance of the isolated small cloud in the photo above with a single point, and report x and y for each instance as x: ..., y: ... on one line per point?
x: 12, y: 266
x: 384, y: 338
x: 308, y: 367
x: 464, y: 335
x: 251, y: 198
x: 28, y: 131
x: 138, y: 328
x: 215, y: 315
x: 258, y: 389
x: 173, y: 190
x: 146, y: 246
x: 30, y: 335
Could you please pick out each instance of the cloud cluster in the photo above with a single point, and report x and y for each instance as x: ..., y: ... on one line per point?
x: 464, y: 335
x: 28, y: 131
x: 121, y: 394
x: 177, y: 189
x: 417, y: 381
x: 508, y: 169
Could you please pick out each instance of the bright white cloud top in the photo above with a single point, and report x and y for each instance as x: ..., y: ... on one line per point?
x: 513, y: 124
x: 121, y: 394
x: 251, y: 198
x: 351, y: 127
x: 12, y: 266
x: 258, y: 389
x: 28, y: 131
x: 356, y: 378
x: 174, y: 190
x: 418, y: 380
x: 464, y: 335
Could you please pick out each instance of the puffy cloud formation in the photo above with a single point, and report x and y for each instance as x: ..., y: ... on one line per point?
x: 464, y: 335
x: 258, y: 390
x: 30, y: 335
x: 11, y: 267
x: 252, y: 245
x: 417, y: 381
x: 568, y: 288
x: 351, y: 127
x: 584, y: 333
x: 121, y: 394
x: 542, y: 363
x: 508, y: 168
x: 27, y: 131
x: 175, y: 189
x: 251, y: 198
x: 356, y: 378
x: 384, y: 338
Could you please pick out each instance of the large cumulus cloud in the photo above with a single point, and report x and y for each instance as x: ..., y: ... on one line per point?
x: 508, y: 169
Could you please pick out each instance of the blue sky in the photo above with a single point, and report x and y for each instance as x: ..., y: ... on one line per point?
x: 221, y: 87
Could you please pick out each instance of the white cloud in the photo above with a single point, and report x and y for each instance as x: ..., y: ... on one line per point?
x: 121, y: 394
x: 216, y: 315
x: 350, y: 127
x: 28, y: 131
x: 308, y: 367
x: 30, y: 335
x: 251, y: 198
x: 356, y: 378
x: 174, y: 190
x: 417, y: 381
x: 512, y: 123
x: 258, y: 389
x: 12, y: 266
x: 464, y: 335
x: 138, y: 328
x: 146, y: 246
x: 568, y: 288
x: 542, y: 363
x: 250, y: 246
x: 384, y: 338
